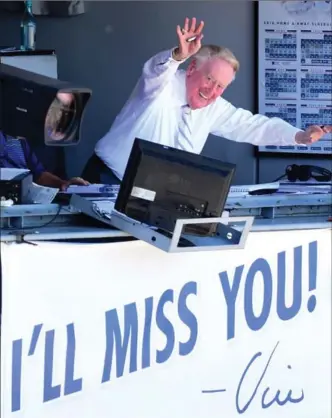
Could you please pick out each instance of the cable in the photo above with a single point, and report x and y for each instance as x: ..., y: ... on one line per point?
x: 20, y: 238
x: 46, y: 223
x: 279, y: 178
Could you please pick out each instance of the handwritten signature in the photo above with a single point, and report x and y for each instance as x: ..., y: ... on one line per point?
x: 266, y: 400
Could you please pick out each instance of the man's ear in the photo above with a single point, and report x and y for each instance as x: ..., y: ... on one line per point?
x: 192, y: 67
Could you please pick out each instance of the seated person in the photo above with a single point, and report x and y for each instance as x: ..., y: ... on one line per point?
x: 16, y: 153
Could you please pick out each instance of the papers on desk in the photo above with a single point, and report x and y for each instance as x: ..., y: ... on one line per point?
x: 287, y: 187
x: 237, y: 191
x: 34, y: 193
x: 40, y: 194
x: 305, y: 187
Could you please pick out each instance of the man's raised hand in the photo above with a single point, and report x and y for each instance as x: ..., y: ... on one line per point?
x: 190, y: 37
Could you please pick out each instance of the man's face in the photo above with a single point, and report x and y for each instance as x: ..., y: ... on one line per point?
x: 207, y: 82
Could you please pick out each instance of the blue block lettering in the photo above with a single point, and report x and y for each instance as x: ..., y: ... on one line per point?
x: 230, y: 293
x: 16, y: 374
x: 188, y: 318
x: 285, y: 313
x: 50, y: 392
x: 165, y: 325
x: 113, y: 334
x: 258, y: 266
x: 71, y: 385
x: 34, y: 339
x: 313, y: 260
x: 146, y: 355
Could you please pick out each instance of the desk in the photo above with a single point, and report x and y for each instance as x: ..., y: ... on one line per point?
x: 122, y: 329
x: 64, y: 222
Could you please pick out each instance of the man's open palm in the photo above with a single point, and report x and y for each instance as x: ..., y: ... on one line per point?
x: 190, y: 37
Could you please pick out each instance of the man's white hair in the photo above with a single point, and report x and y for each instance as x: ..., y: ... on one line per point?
x: 213, y: 51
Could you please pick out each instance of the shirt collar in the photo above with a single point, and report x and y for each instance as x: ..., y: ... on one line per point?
x: 180, y: 89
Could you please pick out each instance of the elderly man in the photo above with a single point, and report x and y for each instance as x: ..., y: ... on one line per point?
x: 180, y: 109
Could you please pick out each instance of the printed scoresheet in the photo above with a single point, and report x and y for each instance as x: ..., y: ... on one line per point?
x: 295, y: 67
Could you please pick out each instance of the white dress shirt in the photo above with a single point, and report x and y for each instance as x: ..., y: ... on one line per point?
x: 157, y: 111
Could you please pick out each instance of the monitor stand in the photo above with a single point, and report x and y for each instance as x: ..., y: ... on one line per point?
x: 183, y: 242
x: 231, y: 233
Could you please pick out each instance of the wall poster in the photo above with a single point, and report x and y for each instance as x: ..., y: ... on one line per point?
x: 295, y: 67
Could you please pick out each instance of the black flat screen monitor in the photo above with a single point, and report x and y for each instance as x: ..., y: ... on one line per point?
x: 162, y: 184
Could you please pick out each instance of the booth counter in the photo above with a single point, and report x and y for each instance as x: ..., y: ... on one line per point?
x: 98, y: 323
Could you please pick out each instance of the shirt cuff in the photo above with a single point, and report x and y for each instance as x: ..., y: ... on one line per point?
x: 290, y: 135
x: 284, y: 132
x: 172, y: 59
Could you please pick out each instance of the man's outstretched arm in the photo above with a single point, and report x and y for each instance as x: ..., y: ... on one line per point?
x: 241, y: 125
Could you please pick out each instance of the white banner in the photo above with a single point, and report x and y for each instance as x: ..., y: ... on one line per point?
x: 124, y: 330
